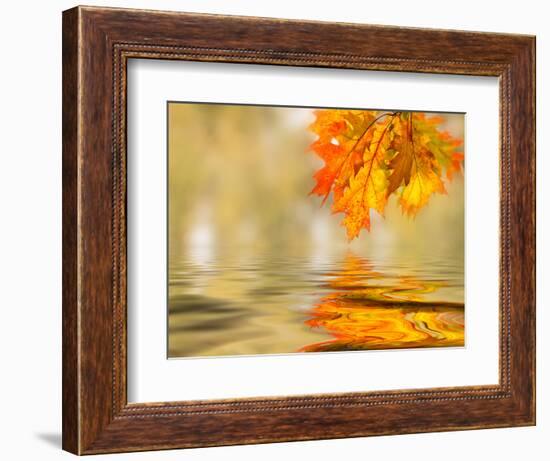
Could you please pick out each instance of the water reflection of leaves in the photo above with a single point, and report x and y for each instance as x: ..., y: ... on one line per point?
x: 369, y: 310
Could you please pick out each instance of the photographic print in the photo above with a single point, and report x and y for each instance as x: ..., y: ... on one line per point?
x: 300, y: 229
x: 269, y: 238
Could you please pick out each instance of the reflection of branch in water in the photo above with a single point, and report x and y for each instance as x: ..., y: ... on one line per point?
x: 364, y: 313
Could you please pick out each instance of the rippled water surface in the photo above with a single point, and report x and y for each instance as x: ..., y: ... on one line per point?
x: 275, y: 305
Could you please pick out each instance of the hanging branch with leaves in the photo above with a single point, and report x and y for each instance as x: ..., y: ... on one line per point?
x: 370, y: 155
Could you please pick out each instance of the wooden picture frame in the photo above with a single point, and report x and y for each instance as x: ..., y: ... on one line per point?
x: 97, y: 44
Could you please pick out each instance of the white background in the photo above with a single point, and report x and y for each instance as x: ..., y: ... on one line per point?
x: 30, y: 243
x: 152, y: 378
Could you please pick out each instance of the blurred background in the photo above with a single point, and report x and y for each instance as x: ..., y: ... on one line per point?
x: 251, y: 253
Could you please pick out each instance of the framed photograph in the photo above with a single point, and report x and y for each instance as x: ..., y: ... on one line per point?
x: 281, y: 230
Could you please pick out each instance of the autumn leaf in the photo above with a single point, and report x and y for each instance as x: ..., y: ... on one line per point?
x: 368, y: 188
x: 423, y: 183
x: 370, y: 155
x: 341, y: 143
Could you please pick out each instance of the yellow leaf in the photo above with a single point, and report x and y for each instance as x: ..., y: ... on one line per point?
x: 366, y: 191
x: 423, y: 183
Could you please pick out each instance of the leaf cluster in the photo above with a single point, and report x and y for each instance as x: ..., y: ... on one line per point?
x: 370, y: 155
